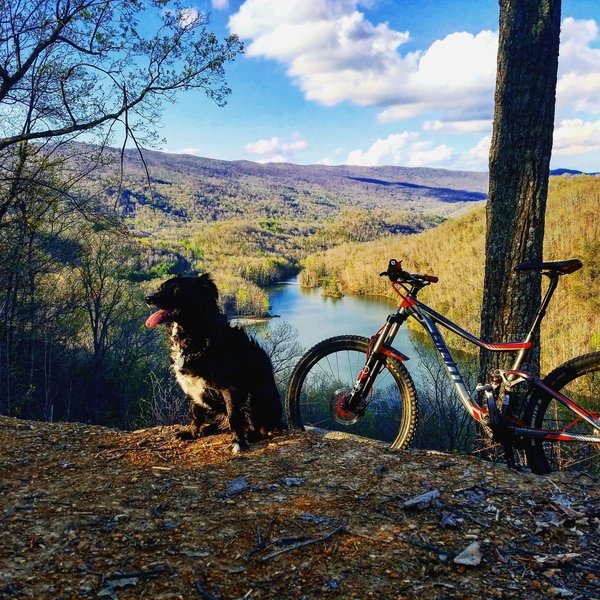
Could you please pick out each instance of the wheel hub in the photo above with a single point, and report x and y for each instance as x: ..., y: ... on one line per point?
x: 341, y: 414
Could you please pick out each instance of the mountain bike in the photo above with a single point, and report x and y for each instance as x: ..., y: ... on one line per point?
x: 351, y: 383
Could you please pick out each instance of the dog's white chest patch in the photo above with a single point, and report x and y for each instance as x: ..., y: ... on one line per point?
x: 193, y: 386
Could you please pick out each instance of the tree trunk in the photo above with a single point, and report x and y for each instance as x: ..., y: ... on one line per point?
x: 519, y: 169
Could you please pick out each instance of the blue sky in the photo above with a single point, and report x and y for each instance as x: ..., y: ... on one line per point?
x: 379, y: 82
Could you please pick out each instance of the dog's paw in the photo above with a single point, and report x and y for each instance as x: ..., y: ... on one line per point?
x: 185, y: 436
x: 209, y: 429
x: 237, y: 448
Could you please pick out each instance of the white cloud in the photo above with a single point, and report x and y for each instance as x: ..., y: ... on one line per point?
x: 578, y: 84
x: 406, y: 149
x: 334, y: 54
x: 575, y: 136
x: 409, y: 149
x: 576, y: 51
x: 579, y: 91
x: 190, y: 150
x: 476, y: 158
x: 220, y: 4
x: 475, y: 126
x: 188, y: 16
x: 430, y: 156
x: 276, y: 149
x: 458, y: 65
x: 391, y: 151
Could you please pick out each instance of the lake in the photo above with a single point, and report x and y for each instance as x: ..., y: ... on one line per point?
x: 316, y: 317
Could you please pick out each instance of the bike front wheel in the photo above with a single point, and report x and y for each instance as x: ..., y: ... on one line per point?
x: 579, y: 380
x: 326, y: 374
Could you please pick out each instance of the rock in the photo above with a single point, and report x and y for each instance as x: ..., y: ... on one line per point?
x: 470, y: 556
x: 423, y: 500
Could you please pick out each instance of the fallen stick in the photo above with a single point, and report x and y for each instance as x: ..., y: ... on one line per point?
x: 304, y: 543
x: 425, y: 545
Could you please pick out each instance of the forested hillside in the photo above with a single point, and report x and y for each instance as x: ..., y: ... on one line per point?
x: 254, y: 222
x: 454, y: 252
x: 74, y: 274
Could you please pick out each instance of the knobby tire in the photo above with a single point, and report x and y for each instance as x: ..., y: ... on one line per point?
x: 578, y: 379
x: 333, y: 365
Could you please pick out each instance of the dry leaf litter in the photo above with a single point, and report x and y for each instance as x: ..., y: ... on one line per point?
x: 90, y: 512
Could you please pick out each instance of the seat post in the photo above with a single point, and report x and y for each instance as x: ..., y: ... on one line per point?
x: 553, y: 276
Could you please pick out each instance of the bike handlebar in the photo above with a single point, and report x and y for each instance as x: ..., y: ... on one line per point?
x: 395, y: 273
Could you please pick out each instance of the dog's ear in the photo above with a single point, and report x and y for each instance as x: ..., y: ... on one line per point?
x: 208, y: 285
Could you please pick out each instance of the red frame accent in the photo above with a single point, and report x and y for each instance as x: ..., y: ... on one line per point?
x: 385, y: 350
x: 507, y: 346
x: 393, y: 353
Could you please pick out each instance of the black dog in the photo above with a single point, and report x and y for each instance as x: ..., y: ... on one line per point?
x: 227, y: 376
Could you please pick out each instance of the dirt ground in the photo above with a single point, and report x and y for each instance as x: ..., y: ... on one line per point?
x: 89, y: 512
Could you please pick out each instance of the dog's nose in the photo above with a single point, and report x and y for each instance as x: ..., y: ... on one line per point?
x: 150, y: 299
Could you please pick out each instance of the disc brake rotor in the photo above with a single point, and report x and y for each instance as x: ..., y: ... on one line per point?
x: 342, y: 415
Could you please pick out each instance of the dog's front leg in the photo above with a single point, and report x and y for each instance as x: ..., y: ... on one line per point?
x: 198, y: 419
x: 235, y: 416
x: 197, y: 424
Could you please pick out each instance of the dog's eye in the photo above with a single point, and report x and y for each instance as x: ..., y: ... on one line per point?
x: 176, y: 290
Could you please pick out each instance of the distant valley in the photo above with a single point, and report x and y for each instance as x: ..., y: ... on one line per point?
x: 254, y: 223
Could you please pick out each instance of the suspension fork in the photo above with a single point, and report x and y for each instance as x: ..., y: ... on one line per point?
x: 379, y: 349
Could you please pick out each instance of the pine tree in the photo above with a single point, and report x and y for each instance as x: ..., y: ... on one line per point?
x: 519, y: 168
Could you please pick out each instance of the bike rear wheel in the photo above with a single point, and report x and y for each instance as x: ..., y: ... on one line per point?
x: 578, y: 379
x: 327, y: 372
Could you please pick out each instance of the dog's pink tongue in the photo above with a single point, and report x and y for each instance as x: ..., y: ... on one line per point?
x: 155, y: 318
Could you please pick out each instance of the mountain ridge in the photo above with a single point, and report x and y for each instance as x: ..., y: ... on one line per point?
x: 212, y: 189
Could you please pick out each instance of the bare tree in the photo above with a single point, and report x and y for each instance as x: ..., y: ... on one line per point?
x: 72, y: 66
x: 445, y: 425
x: 108, y: 300
x: 519, y: 167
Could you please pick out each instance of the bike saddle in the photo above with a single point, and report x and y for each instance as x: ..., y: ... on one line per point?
x: 562, y: 267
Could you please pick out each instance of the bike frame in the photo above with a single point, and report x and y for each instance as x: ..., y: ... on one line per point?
x: 410, y: 306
